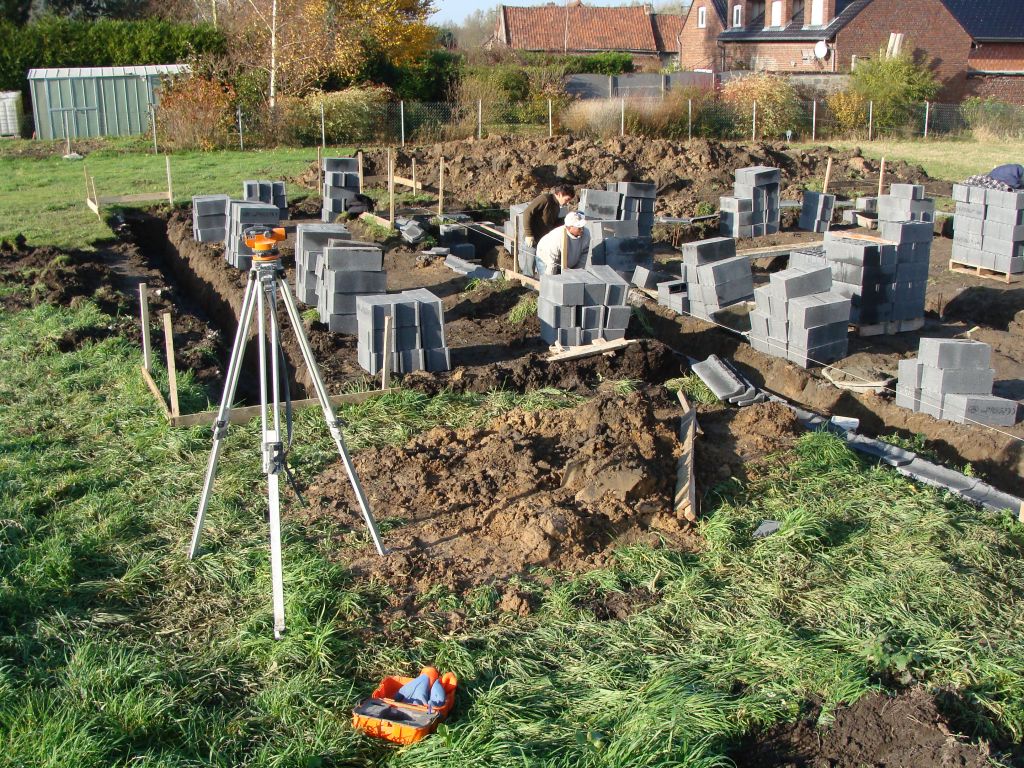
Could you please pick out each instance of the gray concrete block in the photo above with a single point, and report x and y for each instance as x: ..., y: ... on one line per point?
x: 351, y: 282
x: 206, y: 205
x: 970, y: 211
x: 556, y: 315
x: 984, y: 409
x: 352, y: 258
x: 1006, y: 200
x: 340, y: 164
x: 210, y: 235
x: 933, y: 475
x: 707, y: 251
x: 909, y: 373
x: 758, y: 323
x: 819, y: 309
x: 760, y: 175
x: 617, y: 318
x: 599, y: 203
x: 906, y: 231
x: 908, y: 398
x: 437, y: 360
x: 886, y: 453
x: 641, y: 189
x: 907, y: 191
x: 570, y: 337
x: 341, y: 323
x: 648, y: 278
x: 564, y: 289
x: 719, y: 378
x: 791, y: 283
x: 735, y: 205
x: 977, y: 195
x: 808, y: 357
x: 669, y: 288
x: 954, y: 353
x: 592, y: 318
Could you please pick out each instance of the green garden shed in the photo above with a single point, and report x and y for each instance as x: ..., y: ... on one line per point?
x: 95, y: 101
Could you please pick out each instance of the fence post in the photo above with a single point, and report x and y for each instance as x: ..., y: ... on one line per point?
x: 753, y: 129
x: 551, y: 124
x: 814, y: 120
x: 152, y: 120
x: 689, y: 119
x: 147, y: 352
x: 871, y: 120
x: 241, y: 139
x: 927, y: 114
x: 622, y: 117
x: 479, y: 118
x: 401, y: 118
x: 323, y: 127
x: 611, y: 86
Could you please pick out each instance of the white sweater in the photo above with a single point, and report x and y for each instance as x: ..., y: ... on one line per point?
x: 549, y: 251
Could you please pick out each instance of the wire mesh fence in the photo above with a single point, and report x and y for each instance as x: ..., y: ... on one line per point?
x: 675, y: 115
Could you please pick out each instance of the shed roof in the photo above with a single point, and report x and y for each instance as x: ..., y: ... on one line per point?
x: 87, y: 72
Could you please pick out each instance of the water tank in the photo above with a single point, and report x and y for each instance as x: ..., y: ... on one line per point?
x: 10, y: 113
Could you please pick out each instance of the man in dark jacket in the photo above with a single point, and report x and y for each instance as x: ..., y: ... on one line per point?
x: 543, y: 214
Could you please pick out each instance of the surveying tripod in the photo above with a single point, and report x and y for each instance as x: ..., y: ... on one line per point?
x: 266, y: 281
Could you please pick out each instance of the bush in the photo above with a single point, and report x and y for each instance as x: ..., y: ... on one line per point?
x: 849, y: 111
x: 57, y: 42
x: 778, y: 105
x: 897, y: 86
x: 991, y: 118
x: 351, y: 116
x: 195, y: 113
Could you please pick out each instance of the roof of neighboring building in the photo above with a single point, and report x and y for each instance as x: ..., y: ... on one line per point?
x: 990, y: 20
x: 754, y: 31
x: 74, y: 72
x: 578, y: 27
x: 667, y: 28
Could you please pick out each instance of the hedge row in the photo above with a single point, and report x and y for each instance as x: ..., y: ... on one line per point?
x: 54, y: 42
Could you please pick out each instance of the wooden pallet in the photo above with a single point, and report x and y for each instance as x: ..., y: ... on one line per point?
x: 990, y: 274
x: 889, y: 328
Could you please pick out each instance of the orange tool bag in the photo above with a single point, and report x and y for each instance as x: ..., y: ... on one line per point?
x: 388, y: 714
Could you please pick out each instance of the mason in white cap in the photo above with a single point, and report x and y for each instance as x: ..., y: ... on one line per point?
x: 572, y: 237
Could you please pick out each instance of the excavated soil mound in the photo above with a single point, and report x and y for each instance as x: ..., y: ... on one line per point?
x: 735, y: 439
x: 54, y: 276
x: 879, y: 731
x: 472, y: 506
x: 509, y: 169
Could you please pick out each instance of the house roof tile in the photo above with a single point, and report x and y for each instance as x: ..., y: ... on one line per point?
x: 579, y: 28
x: 989, y: 20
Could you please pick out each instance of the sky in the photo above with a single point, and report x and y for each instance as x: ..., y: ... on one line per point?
x: 456, y: 10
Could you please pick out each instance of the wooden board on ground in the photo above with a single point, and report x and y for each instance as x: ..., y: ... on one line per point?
x: 246, y: 414
x: 589, y: 350
x: 889, y: 328
x: 529, y: 282
x: 375, y: 219
x: 685, y: 504
x: 988, y: 274
x: 867, y: 238
x: 771, y: 251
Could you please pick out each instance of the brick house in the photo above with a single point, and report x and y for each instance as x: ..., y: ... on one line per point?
x: 976, y: 47
x: 574, y: 28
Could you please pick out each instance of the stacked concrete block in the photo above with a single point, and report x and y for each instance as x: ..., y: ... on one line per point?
x: 799, y: 317
x: 754, y: 208
x: 344, y: 272
x: 581, y: 306
x: 637, y: 203
x: 242, y: 217
x: 310, y: 240
x: 905, y: 202
x: 988, y: 229
x: 416, y: 341
x: 886, y: 278
x: 210, y: 218
x: 816, y: 212
x: 952, y: 379
x: 266, y: 192
x: 341, y: 186
x: 715, y: 276
x: 600, y: 204
x: 619, y: 245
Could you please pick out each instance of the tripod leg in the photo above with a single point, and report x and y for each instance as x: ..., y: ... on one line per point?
x: 328, y: 409
x: 276, y: 572
x: 273, y: 450
x: 220, y: 426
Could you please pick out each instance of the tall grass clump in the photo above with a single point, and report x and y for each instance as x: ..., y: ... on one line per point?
x: 778, y: 104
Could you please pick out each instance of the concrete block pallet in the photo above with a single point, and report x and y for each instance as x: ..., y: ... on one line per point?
x: 799, y: 317
x: 816, y: 212
x: 988, y: 232
x: 715, y: 276
x: 243, y: 216
x: 340, y: 187
x: 266, y: 192
x: 346, y: 270
x: 409, y: 326
x: 754, y: 208
x: 952, y: 379
x: 583, y: 306
x: 210, y: 218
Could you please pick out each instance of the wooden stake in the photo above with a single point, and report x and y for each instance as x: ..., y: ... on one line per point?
x: 95, y: 198
x: 147, y: 350
x: 320, y: 172
x: 172, y: 371
x: 686, y: 493
x: 414, y: 174
x: 881, y: 178
x: 385, y: 369
x: 440, y: 190
x: 515, y: 247
x: 170, y: 183
x: 565, y: 248
x: 828, y: 177
x: 359, y: 157
x: 391, y: 188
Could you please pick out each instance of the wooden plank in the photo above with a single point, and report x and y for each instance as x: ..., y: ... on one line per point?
x: 248, y: 413
x: 881, y: 178
x: 440, y: 189
x: 148, y: 378
x: 170, y: 182
x: 489, y: 228
x: 92, y: 206
x: 769, y: 251
x: 147, y: 350
x: 391, y: 188
x: 529, y: 282
x: 385, y: 373
x: 416, y: 185
x: 983, y: 272
x: 597, y: 348
x: 359, y: 158
x: 367, y: 216
x: 565, y: 248
x: 828, y: 177
x: 685, y: 504
x: 172, y: 370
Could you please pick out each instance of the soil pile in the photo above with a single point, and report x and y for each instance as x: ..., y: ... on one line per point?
x: 878, y: 731
x: 734, y: 439
x: 54, y: 276
x: 502, y: 170
x: 479, y: 505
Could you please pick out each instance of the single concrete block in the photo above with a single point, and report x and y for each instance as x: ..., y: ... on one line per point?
x: 564, y: 289
x: 907, y: 191
x: 439, y: 359
x: 791, y: 283
x: 351, y: 258
x: 617, y: 318
x: 758, y: 176
x: 707, y: 251
x: 954, y: 353
x: 980, y: 409
x: 719, y: 378
x: 352, y: 282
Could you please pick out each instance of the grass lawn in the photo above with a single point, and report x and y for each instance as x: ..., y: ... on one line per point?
x: 115, y: 649
x: 949, y: 160
x: 43, y: 198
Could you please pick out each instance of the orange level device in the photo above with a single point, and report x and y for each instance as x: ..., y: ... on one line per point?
x: 264, y: 244
x: 382, y: 716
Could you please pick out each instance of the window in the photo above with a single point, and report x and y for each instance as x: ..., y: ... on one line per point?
x: 817, y: 13
x: 737, y: 15
x: 777, y: 13
x: 702, y: 17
